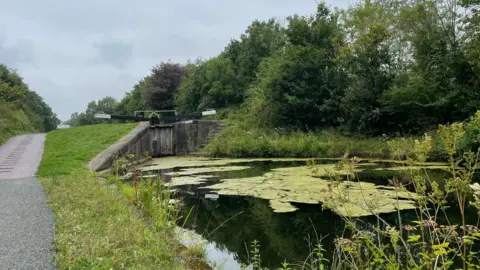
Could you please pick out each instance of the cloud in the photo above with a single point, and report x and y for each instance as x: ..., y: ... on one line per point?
x: 72, y: 52
x: 114, y: 53
x: 17, y: 53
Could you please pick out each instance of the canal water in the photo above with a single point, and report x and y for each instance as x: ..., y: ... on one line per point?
x: 230, y: 222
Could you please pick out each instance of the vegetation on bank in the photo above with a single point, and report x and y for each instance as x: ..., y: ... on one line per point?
x: 239, y: 140
x: 21, y: 109
x: 96, y: 227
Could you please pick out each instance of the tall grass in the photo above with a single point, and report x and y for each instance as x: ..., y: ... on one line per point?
x: 240, y: 141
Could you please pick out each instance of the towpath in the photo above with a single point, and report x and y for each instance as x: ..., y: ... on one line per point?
x: 26, y: 223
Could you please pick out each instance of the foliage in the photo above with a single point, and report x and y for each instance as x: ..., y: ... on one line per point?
x: 163, y: 82
x: 133, y: 101
x: 242, y: 141
x: 23, y: 110
x: 13, y: 121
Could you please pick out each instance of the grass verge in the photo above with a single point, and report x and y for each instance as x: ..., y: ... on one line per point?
x: 96, y: 227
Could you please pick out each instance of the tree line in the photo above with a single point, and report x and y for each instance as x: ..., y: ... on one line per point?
x: 380, y: 66
x: 22, y: 109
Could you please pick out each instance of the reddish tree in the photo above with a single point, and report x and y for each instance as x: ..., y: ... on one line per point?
x: 165, y: 79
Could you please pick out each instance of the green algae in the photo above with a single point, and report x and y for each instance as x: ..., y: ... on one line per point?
x: 203, y: 170
x: 187, y: 161
x: 296, y: 185
x: 187, y: 180
x: 287, y: 185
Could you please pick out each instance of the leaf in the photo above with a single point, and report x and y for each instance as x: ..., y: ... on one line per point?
x: 440, y: 246
x: 440, y: 252
x: 424, y: 255
x: 413, y: 238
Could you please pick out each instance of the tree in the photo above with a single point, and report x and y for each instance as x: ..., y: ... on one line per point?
x: 106, y: 105
x: 14, y: 91
x: 133, y: 100
x: 368, y: 60
x: 260, y: 40
x: 302, y: 86
x: 165, y: 79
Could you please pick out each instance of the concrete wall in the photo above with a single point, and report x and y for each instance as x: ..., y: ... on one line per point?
x: 191, y: 136
x: 135, y: 142
x: 181, y: 138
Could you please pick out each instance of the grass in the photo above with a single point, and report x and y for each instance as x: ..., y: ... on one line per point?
x: 96, y: 226
x: 68, y: 150
x: 237, y: 141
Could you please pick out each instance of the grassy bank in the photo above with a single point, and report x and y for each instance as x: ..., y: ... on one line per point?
x: 96, y: 227
x: 13, y: 122
x: 239, y: 141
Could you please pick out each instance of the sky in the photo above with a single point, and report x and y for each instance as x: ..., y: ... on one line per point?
x: 72, y: 52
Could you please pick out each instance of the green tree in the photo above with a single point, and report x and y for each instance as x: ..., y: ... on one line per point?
x: 15, y: 92
x: 369, y: 63
x: 302, y: 86
x: 436, y: 85
x: 133, y: 100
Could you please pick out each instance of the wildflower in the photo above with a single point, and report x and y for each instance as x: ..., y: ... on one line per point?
x: 460, y: 241
x: 476, y: 191
x: 475, y: 187
x: 368, y: 234
x: 471, y: 228
x: 450, y: 229
x: 394, y: 182
x: 429, y: 223
x: 343, y: 242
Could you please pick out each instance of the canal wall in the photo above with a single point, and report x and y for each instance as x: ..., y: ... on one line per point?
x: 181, y: 138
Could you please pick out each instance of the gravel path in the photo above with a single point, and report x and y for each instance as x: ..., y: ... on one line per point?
x: 26, y: 223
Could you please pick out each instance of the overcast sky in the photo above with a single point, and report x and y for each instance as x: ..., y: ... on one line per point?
x: 74, y: 51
